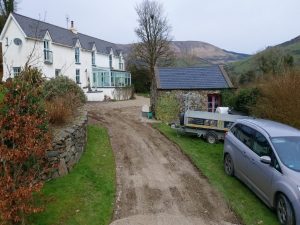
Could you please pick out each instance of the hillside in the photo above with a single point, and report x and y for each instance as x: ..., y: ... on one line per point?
x: 291, y: 47
x: 192, y: 53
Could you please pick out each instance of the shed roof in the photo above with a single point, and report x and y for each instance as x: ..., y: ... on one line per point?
x: 207, y: 77
x: 37, y: 29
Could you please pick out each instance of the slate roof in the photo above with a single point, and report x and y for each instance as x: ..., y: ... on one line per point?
x: 37, y: 29
x: 208, y: 77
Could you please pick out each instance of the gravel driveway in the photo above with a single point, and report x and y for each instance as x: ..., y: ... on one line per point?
x: 156, y: 183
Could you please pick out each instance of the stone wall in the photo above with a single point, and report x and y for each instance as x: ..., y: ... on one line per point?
x: 196, y: 99
x: 67, y: 146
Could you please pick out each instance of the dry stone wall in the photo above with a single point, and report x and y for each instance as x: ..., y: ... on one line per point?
x: 67, y: 146
x: 195, y: 99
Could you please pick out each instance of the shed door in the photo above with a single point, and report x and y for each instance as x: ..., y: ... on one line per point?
x: 213, y: 102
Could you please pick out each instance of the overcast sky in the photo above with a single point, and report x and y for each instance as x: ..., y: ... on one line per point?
x: 245, y: 26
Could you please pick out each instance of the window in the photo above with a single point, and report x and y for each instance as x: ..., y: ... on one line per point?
x: 94, y: 79
x: 244, y: 134
x: 121, y: 65
x: 17, y: 71
x: 93, y: 58
x: 110, y: 61
x: 78, y: 76
x: 77, y: 55
x: 57, y: 72
x: 261, y: 145
x: 48, y: 55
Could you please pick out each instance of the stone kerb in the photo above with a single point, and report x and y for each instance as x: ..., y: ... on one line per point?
x: 67, y: 146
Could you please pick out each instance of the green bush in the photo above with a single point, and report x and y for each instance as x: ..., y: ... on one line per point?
x: 63, y: 97
x: 228, y: 98
x: 242, y: 100
x: 167, y: 108
x: 60, y: 87
x: 246, y: 99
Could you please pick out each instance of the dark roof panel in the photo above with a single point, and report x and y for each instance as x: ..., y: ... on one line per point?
x: 210, y: 77
x: 37, y: 29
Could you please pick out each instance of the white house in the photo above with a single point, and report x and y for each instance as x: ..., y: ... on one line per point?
x: 97, y: 66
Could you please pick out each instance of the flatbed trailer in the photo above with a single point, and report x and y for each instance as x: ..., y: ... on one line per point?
x: 211, y: 126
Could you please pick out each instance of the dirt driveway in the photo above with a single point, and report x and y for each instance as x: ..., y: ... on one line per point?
x: 156, y: 183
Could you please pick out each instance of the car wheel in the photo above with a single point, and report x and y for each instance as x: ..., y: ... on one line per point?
x: 285, y: 211
x: 211, y: 138
x: 228, y: 165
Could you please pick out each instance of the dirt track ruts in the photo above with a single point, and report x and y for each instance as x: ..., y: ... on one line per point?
x: 156, y: 183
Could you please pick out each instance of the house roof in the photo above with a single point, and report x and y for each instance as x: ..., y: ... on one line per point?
x: 37, y: 29
x: 208, y: 77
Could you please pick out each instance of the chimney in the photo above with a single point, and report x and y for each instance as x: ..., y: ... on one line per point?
x: 72, y: 28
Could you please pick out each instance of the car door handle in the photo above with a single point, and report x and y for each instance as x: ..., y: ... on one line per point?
x: 244, y: 153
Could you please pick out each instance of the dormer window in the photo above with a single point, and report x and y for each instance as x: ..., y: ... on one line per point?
x: 110, y: 61
x: 77, y: 55
x: 93, y: 58
x: 48, y: 55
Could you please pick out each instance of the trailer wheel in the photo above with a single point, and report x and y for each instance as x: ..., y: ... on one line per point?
x: 211, y: 138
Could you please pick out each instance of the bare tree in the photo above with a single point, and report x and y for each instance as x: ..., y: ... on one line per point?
x: 154, y: 45
x: 153, y: 32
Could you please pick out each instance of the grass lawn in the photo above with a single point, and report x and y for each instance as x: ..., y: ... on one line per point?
x: 86, y: 195
x: 208, y: 158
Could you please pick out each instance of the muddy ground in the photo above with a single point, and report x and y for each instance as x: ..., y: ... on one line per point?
x: 156, y: 183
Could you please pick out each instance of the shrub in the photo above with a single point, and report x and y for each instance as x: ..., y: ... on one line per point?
x: 63, y: 97
x: 58, y: 110
x: 280, y: 99
x: 242, y: 100
x: 60, y: 87
x: 23, y: 144
x: 167, y: 108
x: 228, y: 98
x: 246, y: 99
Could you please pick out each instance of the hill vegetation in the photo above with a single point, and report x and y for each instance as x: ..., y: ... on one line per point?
x: 281, y: 56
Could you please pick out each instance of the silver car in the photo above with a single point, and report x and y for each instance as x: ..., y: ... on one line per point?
x: 265, y: 155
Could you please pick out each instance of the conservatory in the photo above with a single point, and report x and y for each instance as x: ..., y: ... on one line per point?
x: 110, y: 78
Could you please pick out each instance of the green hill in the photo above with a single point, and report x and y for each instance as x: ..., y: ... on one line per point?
x: 291, y: 48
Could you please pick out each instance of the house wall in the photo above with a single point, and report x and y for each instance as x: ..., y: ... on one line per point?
x: 63, y: 59
x: 197, y: 99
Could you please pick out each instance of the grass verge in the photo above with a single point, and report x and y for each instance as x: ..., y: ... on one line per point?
x: 146, y: 95
x: 86, y: 195
x: 209, y: 159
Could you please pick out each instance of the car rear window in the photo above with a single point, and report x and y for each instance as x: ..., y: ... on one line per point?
x: 243, y: 133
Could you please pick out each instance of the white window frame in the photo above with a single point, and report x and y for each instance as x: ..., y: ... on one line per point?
x: 77, y: 76
x: 77, y: 55
x: 16, y: 70
x: 93, y: 58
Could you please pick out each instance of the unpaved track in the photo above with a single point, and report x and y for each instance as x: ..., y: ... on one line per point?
x: 156, y: 183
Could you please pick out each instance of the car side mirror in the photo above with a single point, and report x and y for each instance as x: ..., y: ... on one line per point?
x: 265, y: 159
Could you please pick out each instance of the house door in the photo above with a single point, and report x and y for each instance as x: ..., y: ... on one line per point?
x: 213, y: 102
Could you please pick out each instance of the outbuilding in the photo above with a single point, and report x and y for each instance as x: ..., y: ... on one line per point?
x: 197, y: 87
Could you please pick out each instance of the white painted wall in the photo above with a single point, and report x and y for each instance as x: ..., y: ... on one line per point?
x: 63, y: 59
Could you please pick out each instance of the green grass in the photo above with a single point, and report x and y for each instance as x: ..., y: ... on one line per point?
x: 146, y: 95
x: 86, y: 195
x: 208, y: 158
